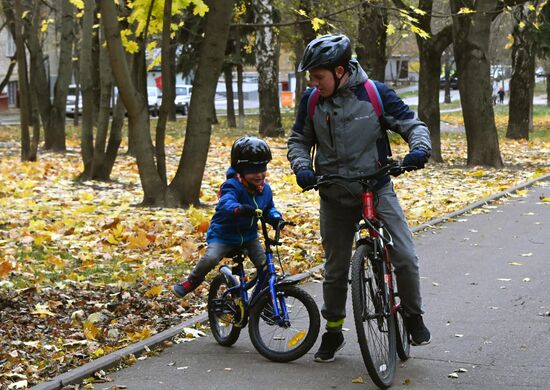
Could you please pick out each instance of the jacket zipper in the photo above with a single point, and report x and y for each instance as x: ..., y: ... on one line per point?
x: 329, y: 124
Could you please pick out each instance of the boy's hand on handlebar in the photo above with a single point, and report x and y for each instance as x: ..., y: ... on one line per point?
x: 306, y: 178
x: 245, y: 210
x: 415, y: 159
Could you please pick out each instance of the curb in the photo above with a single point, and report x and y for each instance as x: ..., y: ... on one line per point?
x: 78, y: 374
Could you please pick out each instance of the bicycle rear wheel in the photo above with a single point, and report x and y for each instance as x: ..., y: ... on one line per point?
x: 289, y: 341
x: 403, y: 342
x: 223, y: 312
x: 375, y: 331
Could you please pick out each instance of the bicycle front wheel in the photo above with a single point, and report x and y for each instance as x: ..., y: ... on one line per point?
x: 375, y: 330
x: 403, y: 343
x: 223, y: 312
x: 284, y: 342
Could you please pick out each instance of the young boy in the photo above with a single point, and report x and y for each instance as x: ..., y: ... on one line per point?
x: 234, y: 223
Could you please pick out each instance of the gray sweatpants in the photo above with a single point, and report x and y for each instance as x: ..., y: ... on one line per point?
x: 217, y: 251
x: 337, y: 232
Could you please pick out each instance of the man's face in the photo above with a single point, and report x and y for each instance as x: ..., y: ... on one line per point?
x: 256, y: 179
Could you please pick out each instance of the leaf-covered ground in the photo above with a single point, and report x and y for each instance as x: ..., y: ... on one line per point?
x: 84, y: 272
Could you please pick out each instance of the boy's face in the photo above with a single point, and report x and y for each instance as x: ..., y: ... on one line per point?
x: 256, y: 179
x: 323, y: 79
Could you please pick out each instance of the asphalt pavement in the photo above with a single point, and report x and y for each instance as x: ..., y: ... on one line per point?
x: 485, y: 286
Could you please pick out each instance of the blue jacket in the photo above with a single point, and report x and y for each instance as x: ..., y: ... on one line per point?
x: 225, y: 226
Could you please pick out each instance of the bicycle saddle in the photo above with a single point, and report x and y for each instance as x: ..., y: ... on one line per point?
x: 236, y: 253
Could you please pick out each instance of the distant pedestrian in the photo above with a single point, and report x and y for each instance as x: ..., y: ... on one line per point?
x: 501, y: 95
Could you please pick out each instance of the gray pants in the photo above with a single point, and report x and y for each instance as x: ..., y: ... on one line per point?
x: 337, y: 232
x: 217, y: 251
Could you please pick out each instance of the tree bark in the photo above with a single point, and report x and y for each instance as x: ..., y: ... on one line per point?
x: 57, y: 114
x: 522, y: 83
x: 371, y: 50
x: 86, y: 85
x: 239, y: 66
x: 267, y: 65
x: 136, y: 105
x: 447, y: 70
x: 168, y: 88
x: 6, y: 79
x: 185, y: 188
x: 24, y: 92
x: 228, y: 76
x: 40, y: 79
x: 307, y: 34
x: 106, y: 83
x: 548, y: 90
x: 471, y: 33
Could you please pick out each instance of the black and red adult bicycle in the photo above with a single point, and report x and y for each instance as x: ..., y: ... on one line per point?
x: 377, y: 311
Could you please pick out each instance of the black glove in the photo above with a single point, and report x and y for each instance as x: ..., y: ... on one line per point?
x: 306, y: 178
x: 416, y: 159
x: 245, y: 210
x: 275, y: 222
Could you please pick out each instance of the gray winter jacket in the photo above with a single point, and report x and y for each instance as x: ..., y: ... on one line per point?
x: 347, y: 134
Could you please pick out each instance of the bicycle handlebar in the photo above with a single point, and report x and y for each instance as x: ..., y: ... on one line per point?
x: 280, y: 225
x: 393, y: 168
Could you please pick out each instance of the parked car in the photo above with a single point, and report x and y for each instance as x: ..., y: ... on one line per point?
x: 71, y: 101
x: 152, y: 100
x: 453, y: 80
x: 183, y: 97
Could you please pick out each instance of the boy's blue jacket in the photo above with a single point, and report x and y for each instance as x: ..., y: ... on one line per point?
x: 230, y: 229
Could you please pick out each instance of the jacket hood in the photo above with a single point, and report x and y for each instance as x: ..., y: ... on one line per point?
x: 231, y: 172
x: 357, y: 75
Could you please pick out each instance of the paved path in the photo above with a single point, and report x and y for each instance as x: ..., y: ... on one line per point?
x: 485, y: 286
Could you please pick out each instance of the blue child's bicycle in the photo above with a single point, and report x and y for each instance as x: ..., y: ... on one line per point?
x: 284, y: 319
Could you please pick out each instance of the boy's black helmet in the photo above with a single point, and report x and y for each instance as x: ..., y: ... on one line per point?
x: 250, y: 154
x: 327, y: 51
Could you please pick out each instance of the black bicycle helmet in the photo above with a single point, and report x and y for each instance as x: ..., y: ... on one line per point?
x: 250, y: 154
x: 327, y: 51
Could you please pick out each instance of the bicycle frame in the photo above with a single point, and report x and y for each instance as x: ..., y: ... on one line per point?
x: 380, y: 243
x: 258, y: 281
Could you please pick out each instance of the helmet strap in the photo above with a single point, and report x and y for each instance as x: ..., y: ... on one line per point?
x: 337, y: 79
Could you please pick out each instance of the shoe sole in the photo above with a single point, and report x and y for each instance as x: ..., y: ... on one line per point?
x: 319, y: 360
x: 422, y: 343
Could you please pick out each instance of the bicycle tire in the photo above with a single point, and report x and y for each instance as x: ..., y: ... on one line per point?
x: 378, y: 346
x: 222, y: 324
x: 280, y: 343
x: 402, y: 341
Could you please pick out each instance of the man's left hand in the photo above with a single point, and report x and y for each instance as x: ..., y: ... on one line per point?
x: 416, y: 159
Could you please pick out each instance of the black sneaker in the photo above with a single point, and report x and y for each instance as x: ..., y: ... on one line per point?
x: 331, y: 343
x: 420, y: 335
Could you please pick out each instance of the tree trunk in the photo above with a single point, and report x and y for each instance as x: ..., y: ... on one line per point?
x: 136, y: 105
x: 431, y: 51
x: 40, y: 79
x: 447, y: 70
x: 106, y: 83
x: 548, y: 89
x: 115, y: 137
x: 168, y: 91
x: 240, y: 94
x: 57, y: 114
x: 76, y: 66
x: 185, y: 188
x: 471, y: 33
x: 239, y: 66
x: 6, y: 79
x: 307, y: 34
x: 267, y: 65
x: 228, y: 76
x: 523, y: 75
x: 86, y: 85
x: 24, y: 93
x: 371, y: 50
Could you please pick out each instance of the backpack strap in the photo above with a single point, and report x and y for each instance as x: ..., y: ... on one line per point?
x: 374, y: 98
x: 378, y: 105
x: 312, y: 103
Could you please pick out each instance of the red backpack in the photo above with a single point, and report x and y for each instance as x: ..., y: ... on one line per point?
x: 374, y: 98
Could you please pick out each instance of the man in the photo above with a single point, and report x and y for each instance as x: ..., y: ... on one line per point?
x: 349, y: 141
